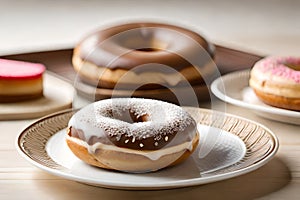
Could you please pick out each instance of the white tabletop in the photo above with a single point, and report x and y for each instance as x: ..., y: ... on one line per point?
x: 258, y: 26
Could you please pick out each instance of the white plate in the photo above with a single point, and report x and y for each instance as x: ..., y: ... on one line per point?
x: 234, y: 88
x: 58, y: 95
x: 230, y: 146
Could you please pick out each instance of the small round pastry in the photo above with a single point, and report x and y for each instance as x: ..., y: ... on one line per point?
x: 20, y: 81
x: 276, y: 81
x: 144, y: 56
x: 132, y: 134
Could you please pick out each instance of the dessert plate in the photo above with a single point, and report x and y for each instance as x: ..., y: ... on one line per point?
x: 230, y: 146
x: 234, y: 88
x: 58, y: 95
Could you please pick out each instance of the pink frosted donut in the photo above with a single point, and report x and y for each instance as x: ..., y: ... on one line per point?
x: 276, y: 81
x: 20, y: 81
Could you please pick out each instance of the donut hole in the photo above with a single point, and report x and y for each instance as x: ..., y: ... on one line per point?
x: 128, y: 116
x: 138, y: 118
x: 141, y: 40
x: 143, y: 46
x: 147, y: 49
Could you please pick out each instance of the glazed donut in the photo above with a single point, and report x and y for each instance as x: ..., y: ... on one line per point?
x: 276, y: 81
x: 143, y: 55
x: 132, y: 134
x: 20, y: 81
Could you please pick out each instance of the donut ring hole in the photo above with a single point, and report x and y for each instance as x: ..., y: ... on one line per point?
x: 147, y: 49
x: 127, y: 115
x: 142, y: 40
x: 138, y: 44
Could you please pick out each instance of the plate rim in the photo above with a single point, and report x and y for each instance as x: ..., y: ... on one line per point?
x: 237, y: 75
x: 63, y: 172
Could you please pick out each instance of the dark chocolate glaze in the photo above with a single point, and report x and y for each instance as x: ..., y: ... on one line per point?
x: 148, y: 143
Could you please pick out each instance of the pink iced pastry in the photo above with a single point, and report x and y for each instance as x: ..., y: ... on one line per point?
x: 276, y: 81
x: 20, y: 81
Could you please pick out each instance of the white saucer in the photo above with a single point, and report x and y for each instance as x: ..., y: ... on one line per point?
x: 234, y: 88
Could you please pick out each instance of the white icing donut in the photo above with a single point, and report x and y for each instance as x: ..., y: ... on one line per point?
x: 155, y: 132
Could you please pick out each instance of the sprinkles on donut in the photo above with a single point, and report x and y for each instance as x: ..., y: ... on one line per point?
x: 132, y: 134
x: 276, y: 81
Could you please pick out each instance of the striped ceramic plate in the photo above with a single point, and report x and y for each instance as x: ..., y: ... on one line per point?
x: 229, y: 146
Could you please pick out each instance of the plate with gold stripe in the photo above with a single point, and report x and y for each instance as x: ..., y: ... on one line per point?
x: 229, y: 146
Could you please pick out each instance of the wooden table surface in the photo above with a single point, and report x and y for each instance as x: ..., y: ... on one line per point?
x: 278, y: 179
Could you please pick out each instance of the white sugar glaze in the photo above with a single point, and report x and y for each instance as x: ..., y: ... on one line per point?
x: 100, y: 119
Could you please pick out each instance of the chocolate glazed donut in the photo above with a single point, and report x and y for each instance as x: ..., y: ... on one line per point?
x: 132, y: 135
x: 143, y: 54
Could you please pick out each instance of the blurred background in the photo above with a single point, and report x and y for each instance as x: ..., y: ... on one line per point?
x: 262, y: 27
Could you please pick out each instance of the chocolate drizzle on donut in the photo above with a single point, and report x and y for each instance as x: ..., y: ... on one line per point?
x: 138, y: 124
